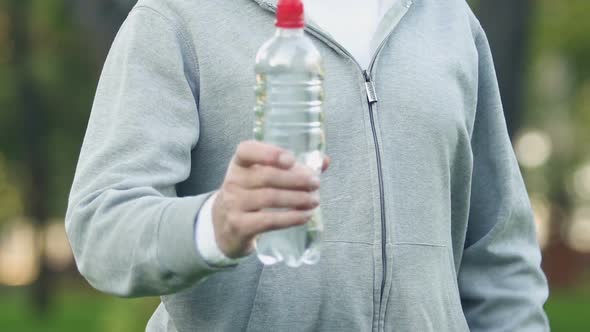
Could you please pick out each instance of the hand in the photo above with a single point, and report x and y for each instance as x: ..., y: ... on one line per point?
x: 262, y: 176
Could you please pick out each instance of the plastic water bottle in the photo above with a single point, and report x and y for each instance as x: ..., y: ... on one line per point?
x: 289, y: 96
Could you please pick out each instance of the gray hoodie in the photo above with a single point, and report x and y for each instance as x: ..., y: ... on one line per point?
x: 428, y: 224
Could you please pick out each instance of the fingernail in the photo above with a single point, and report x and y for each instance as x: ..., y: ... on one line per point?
x: 316, y: 196
x: 315, y: 182
x: 315, y: 202
x: 286, y: 159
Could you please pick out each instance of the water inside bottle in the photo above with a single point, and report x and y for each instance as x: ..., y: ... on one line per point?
x: 289, y: 114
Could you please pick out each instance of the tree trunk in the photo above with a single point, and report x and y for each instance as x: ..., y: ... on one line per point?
x: 33, y: 135
x: 507, y: 24
x: 102, y: 19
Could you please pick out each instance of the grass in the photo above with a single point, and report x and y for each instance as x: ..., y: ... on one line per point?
x: 569, y: 310
x: 77, y: 308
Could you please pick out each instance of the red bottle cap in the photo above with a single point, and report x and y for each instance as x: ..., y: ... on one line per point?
x: 290, y: 14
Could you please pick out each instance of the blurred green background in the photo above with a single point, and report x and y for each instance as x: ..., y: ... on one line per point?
x: 51, y: 53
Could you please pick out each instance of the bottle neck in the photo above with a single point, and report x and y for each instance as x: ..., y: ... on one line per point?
x: 289, y: 32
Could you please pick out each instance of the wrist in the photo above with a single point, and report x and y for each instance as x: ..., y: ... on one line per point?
x: 206, y: 239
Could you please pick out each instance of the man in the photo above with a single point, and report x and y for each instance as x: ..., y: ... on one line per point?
x: 427, y: 222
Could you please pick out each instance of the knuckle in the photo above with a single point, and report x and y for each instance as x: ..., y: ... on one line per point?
x: 268, y: 197
x: 234, y: 178
x: 302, y: 181
x: 240, y: 149
x: 244, y: 145
x: 257, y: 175
x: 265, y: 176
x: 243, y: 149
x: 298, y: 181
x: 231, y: 182
x: 232, y: 201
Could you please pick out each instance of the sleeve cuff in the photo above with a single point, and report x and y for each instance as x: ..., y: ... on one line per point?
x: 205, y: 237
x: 177, y: 252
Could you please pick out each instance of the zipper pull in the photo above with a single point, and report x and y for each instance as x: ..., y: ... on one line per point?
x: 370, y: 87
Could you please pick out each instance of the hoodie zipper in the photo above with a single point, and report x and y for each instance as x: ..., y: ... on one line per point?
x: 371, y: 100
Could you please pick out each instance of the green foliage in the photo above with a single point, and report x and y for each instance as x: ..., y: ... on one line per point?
x: 10, y: 198
x: 65, y: 69
x: 76, y: 310
x: 64, y: 73
x: 568, y: 310
x: 563, y: 27
x: 559, y: 91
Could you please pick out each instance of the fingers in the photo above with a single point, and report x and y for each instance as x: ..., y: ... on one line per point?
x: 252, y: 152
x: 264, y: 221
x: 326, y: 163
x: 259, y: 199
x: 264, y: 189
x: 299, y: 177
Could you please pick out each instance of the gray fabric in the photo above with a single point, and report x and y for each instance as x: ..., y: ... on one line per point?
x: 174, y: 100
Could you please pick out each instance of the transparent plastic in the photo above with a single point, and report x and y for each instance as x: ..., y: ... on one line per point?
x: 289, y: 98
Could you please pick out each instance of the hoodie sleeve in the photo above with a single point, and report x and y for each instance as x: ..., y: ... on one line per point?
x: 501, y: 282
x: 130, y: 233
